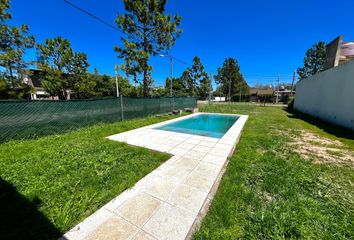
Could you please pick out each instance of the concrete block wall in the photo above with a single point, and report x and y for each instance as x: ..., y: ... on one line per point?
x: 329, y: 95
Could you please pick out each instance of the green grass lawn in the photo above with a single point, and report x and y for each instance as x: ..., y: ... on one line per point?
x: 50, y: 184
x: 271, y: 192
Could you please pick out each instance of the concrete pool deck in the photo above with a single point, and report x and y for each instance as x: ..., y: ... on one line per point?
x: 169, y: 202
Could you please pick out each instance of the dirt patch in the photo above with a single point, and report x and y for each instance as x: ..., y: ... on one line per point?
x: 321, y: 150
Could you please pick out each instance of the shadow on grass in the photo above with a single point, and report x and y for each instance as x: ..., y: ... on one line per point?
x: 20, y: 217
x: 325, y: 126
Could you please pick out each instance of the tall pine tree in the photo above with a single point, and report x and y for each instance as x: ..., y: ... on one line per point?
x: 149, y: 32
x: 230, y: 80
x: 314, y: 61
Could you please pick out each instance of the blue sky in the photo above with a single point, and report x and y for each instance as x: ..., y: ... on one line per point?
x: 269, y: 38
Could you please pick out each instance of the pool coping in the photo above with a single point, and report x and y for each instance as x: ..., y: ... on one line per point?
x: 143, y: 137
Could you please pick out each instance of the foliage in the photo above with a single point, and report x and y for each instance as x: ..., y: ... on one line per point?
x: 179, y: 87
x: 314, y: 60
x: 198, y: 78
x: 14, y: 41
x: 230, y: 79
x: 270, y: 192
x: 68, y: 177
x: 4, y: 10
x: 149, y: 32
x: 159, y: 92
x: 65, y: 70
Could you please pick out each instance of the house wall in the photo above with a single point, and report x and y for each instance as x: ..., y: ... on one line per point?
x: 329, y: 95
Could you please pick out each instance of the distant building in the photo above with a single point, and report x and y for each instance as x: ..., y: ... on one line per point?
x: 219, y: 99
x: 261, y: 94
x: 35, y: 78
x: 338, y: 53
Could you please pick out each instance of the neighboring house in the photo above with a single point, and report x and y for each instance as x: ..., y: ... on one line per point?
x: 34, y: 78
x: 261, y: 94
x: 283, y: 94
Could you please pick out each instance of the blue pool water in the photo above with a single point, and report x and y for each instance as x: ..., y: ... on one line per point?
x: 209, y: 125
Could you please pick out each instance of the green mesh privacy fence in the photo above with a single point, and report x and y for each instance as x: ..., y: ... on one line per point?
x: 30, y: 119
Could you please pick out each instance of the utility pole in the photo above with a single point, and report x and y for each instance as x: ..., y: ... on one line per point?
x: 277, y: 90
x: 116, y: 68
x: 292, y: 84
x: 230, y: 88
x: 210, y: 86
x: 171, y: 74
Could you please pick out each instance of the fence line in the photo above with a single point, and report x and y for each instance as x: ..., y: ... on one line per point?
x: 22, y: 119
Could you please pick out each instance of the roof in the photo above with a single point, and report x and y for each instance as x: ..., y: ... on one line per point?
x: 36, y: 77
x: 267, y: 91
x: 260, y: 91
x: 253, y: 91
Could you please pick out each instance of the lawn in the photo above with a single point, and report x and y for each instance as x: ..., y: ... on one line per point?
x: 50, y: 184
x: 271, y: 190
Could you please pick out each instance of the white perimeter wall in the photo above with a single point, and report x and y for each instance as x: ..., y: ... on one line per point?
x: 329, y: 95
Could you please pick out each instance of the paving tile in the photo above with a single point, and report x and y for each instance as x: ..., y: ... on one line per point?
x: 172, y: 160
x: 219, y: 152
x: 208, y: 168
x: 119, y: 200
x: 226, y: 142
x: 186, y: 163
x: 214, y: 159
x: 202, y: 149
x: 171, y: 143
x: 169, y: 223
x: 206, y: 144
x: 114, y: 228
x: 177, y: 174
x: 188, y: 198
x: 177, y: 138
x: 209, y: 139
x: 178, y: 151
x: 160, y: 187
x: 193, y: 141
x: 195, y: 154
x: 199, y: 180
x: 224, y: 147
x: 141, y: 235
x: 185, y: 145
x: 139, y: 209
x: 163, y: 148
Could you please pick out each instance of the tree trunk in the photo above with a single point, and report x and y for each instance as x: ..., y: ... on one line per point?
x: 145, y: 84
x: 11, y: 76
x: 145, y: 80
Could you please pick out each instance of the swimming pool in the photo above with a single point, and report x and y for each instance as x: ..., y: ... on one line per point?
x: 209, y: 125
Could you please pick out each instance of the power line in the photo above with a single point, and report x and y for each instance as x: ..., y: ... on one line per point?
x: 93, y: 16
x: 111, y: 26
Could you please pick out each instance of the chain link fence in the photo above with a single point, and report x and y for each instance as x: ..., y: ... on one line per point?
x: 30, y: 119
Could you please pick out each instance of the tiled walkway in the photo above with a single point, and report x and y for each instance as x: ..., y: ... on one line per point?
x: 171, y: 200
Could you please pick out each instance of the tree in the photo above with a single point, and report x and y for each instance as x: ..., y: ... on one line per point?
x: 14, y: 41
x: 198, y: 78
x: 230, y: 79
x: 314, y: 61
x: 149, y: 31
x: 187, y: 82
x: 179, y: 87
x: 64, y: 69
x: 4, y: 8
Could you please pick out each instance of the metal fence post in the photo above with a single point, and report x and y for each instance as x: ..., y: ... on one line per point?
x: 121, y: 107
